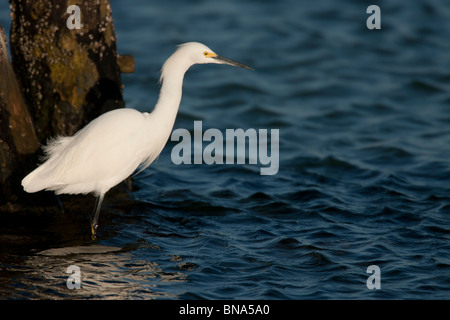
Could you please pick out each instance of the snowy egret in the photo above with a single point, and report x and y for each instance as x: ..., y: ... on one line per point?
x: 111, y: 147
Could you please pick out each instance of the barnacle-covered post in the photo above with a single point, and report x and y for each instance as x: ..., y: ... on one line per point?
x: 64, y: 53
x: 65, y: 61
x: 17, y: 137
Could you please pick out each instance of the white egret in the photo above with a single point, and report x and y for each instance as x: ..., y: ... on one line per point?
x: 111, y: 147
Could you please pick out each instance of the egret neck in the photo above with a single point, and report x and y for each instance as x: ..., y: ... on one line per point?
x: 172, y: 75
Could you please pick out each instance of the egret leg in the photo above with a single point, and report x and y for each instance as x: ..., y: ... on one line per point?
x: 94, y: 222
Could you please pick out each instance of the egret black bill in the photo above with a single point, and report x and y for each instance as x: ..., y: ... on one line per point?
x: 232, y: 62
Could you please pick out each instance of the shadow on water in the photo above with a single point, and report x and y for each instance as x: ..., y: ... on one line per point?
x: 36, y: 249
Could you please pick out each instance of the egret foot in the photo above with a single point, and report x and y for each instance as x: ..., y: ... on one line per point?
x: 94, y: 231
x: 94, y: 221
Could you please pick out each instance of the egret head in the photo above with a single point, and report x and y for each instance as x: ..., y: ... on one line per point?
x: 201, y: 54
x: 191, y: 53
x: 209, y: 56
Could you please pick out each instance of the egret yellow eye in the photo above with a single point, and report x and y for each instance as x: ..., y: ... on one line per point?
x: 209, y: 54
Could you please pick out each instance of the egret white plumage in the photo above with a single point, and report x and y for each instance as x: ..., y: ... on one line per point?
x: 111, y: 147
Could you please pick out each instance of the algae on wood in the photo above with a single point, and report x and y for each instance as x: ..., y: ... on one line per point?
x: 69, y: 76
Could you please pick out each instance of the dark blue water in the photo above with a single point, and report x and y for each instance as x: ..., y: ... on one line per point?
x: 364, y: 172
